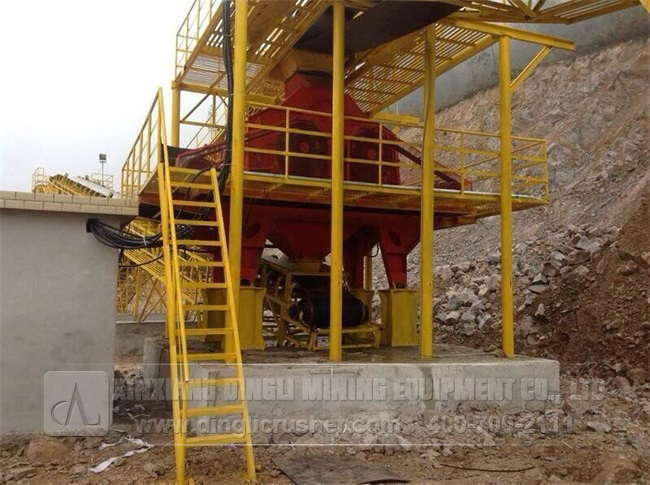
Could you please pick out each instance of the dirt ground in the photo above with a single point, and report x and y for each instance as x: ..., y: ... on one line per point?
x: 598, y: 434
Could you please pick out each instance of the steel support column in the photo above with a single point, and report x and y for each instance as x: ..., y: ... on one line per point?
x: 336, y: 256
x: 426, y: 198
x: 176, y: 115
x: 238, y: 135
x: 505, y: 131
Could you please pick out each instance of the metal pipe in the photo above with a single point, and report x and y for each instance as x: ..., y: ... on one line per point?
x: 238, y: 139
x: 336, y: 256
x: 426, y: 198
x: 505, y: 129
x: 176, y: 115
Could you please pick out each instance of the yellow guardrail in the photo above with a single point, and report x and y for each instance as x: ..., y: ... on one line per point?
x: 471, y: 158
x: 194, y: 25
x: 141, y: 160
x: 213, y: 110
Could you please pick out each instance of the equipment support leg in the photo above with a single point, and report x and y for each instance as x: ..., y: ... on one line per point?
x: 336, y: 256
x: 238, y: 135
x: 505, y: 130
x: 176, y: 116
x: 426, y: 199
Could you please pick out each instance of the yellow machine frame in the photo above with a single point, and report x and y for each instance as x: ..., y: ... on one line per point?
x: 264, y: 34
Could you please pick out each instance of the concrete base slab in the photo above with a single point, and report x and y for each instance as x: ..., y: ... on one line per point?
x: 290, y: 384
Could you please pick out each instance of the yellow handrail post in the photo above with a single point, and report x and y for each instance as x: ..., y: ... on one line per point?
x: 505, y: 131
x: 176, y: 115
x: 238, y: 135
x: 426, y: 198
x: 336, y: 257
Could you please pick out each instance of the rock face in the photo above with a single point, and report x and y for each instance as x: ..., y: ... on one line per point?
x: 585, y: 258
x: 469, y: 296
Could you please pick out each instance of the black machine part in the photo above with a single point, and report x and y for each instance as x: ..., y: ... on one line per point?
x: 312, y: 304
x: 386, y: 21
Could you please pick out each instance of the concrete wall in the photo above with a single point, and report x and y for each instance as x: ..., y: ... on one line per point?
x: 480, y: 72
x: 57, y: 307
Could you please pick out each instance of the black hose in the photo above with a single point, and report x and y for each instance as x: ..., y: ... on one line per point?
x: 117, y: 238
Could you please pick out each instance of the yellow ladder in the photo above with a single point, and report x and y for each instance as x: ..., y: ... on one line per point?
x: 199, y: 209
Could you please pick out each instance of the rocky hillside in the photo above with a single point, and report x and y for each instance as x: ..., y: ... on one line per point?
x: 582, y: 263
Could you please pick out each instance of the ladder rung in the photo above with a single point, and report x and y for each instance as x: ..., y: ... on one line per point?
x: 222, y: 381
x: 190, y: 185
x: 205, y: 286
x: 194, y: 356
x: 215, y: 439
x: 204, y: 307
x: 199, y: 332
x: 196, y: 222
x: 215, y: 410
x: 189, y: 171
x: 198, y: 242
x: 211, y: 264
x: 193, y: 203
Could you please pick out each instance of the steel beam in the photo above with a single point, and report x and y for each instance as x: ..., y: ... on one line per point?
x: 336, y: 256
x: 426, y: 197
x: 238, y: 140
x: 505, y: 131
x: 513, y: 33
x: 176, y: 115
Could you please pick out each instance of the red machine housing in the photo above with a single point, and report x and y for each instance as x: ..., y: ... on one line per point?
x: 302, y: 231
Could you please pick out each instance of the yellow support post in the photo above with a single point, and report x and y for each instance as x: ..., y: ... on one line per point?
x: 238, y: 135
x: 367, y: 273
x: 176, y: 115
x: 505, y: 130
x: 426, y: 198
x: 336, y: 256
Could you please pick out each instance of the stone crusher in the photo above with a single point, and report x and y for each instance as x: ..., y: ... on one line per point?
x: 308, y: 161
x: 300, y: 229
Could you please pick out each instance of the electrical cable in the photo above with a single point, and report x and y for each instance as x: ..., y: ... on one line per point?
x: 117, y: 238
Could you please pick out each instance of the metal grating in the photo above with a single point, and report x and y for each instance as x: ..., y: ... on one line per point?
x: 387, y: 73
x: 375, y: 79
x: 274, y: 26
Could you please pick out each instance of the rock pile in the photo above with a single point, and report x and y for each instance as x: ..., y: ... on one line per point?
x: 469, y: 293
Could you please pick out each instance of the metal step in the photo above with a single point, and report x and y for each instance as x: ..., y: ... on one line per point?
x: 190, y: 185
x: 195, y: 356
x: 215, y: 410
x: 196, y: 222
x: 222, y: 381
x: 215, y: 439
x: 198, y: 242
x: 203, y: 332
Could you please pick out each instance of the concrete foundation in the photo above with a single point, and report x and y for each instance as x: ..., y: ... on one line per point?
x: 57, y: 304
x: 289, y: 384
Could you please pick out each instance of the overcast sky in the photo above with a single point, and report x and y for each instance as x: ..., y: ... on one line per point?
x: 77, y: 78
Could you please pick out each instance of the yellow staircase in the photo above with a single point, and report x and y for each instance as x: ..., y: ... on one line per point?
x: 190, y: 199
